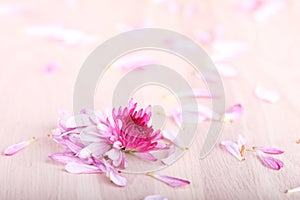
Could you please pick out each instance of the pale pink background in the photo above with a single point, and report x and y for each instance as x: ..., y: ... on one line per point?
x: 31, y: 98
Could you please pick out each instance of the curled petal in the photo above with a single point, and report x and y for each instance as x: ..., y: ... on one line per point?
x: 79, y: 168
x: 155, y: 197
x: 171, y: 181
x: 269, y: 150
x: 15, y: 148
x: 117, y: 179
x: 233, y: 113
x: 234, y: 149
x: 270, y: 96
x: 268, y: 161
x: 297, y: 189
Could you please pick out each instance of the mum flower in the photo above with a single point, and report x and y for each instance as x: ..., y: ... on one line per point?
x: 238, y: 150
x: 98, y: 142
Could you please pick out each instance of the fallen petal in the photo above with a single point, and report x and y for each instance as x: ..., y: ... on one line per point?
x: 15, y: 148
x: 117, y: 179
x: 51, y: 67
x: 233, y: 148
x: 79, y: 168
x: 171, y: 181
x: 268, y: 161
x: 233, y: 113
x: 297, y: 189
x: 155, y: 197
x: 269, y: 150
x: 270, y: 96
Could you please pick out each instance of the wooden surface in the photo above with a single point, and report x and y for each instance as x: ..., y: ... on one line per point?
x: 30, y: 100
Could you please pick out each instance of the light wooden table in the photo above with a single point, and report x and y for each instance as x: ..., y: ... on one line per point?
x: 30, y: 100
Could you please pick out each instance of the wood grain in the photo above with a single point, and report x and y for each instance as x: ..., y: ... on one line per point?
x: 30, y: 100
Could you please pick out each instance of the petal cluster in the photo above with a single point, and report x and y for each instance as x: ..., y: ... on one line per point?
x: 238, y: 149
x: 97, y: 142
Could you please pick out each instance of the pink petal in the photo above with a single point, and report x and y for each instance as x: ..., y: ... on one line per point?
x: 270, y: 96
x: 117, y: 179
x: 226, y: 71
x: 269, y: 162
x: 15, y: 148
x: 64, y: 157
x: 51, y: 67
x: 79, y: 168
x: 155, y: 197
x: 269, y: 150
x: 146, y: 156
x: 233, y: 113
x: 233, y: 148
x: 297, y: 189
x: 118, y: 157
x: 171, y: 181
x: 71, y: 145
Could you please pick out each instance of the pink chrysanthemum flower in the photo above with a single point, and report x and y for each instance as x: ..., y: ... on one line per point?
x: 128, y: 131
x: 98, y: 143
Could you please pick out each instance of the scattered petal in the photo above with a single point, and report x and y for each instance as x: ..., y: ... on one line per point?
x: 15, y: 148
x: 79, y: 168
x: 297, y: 189
x: 268, y: 161
x: 155, y: 197
x: 234, y: 149
x: 51, y: 67
x: 233, y: 113
x: 269, y: 150
x: 270, y: 96
x: 171, y: 181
